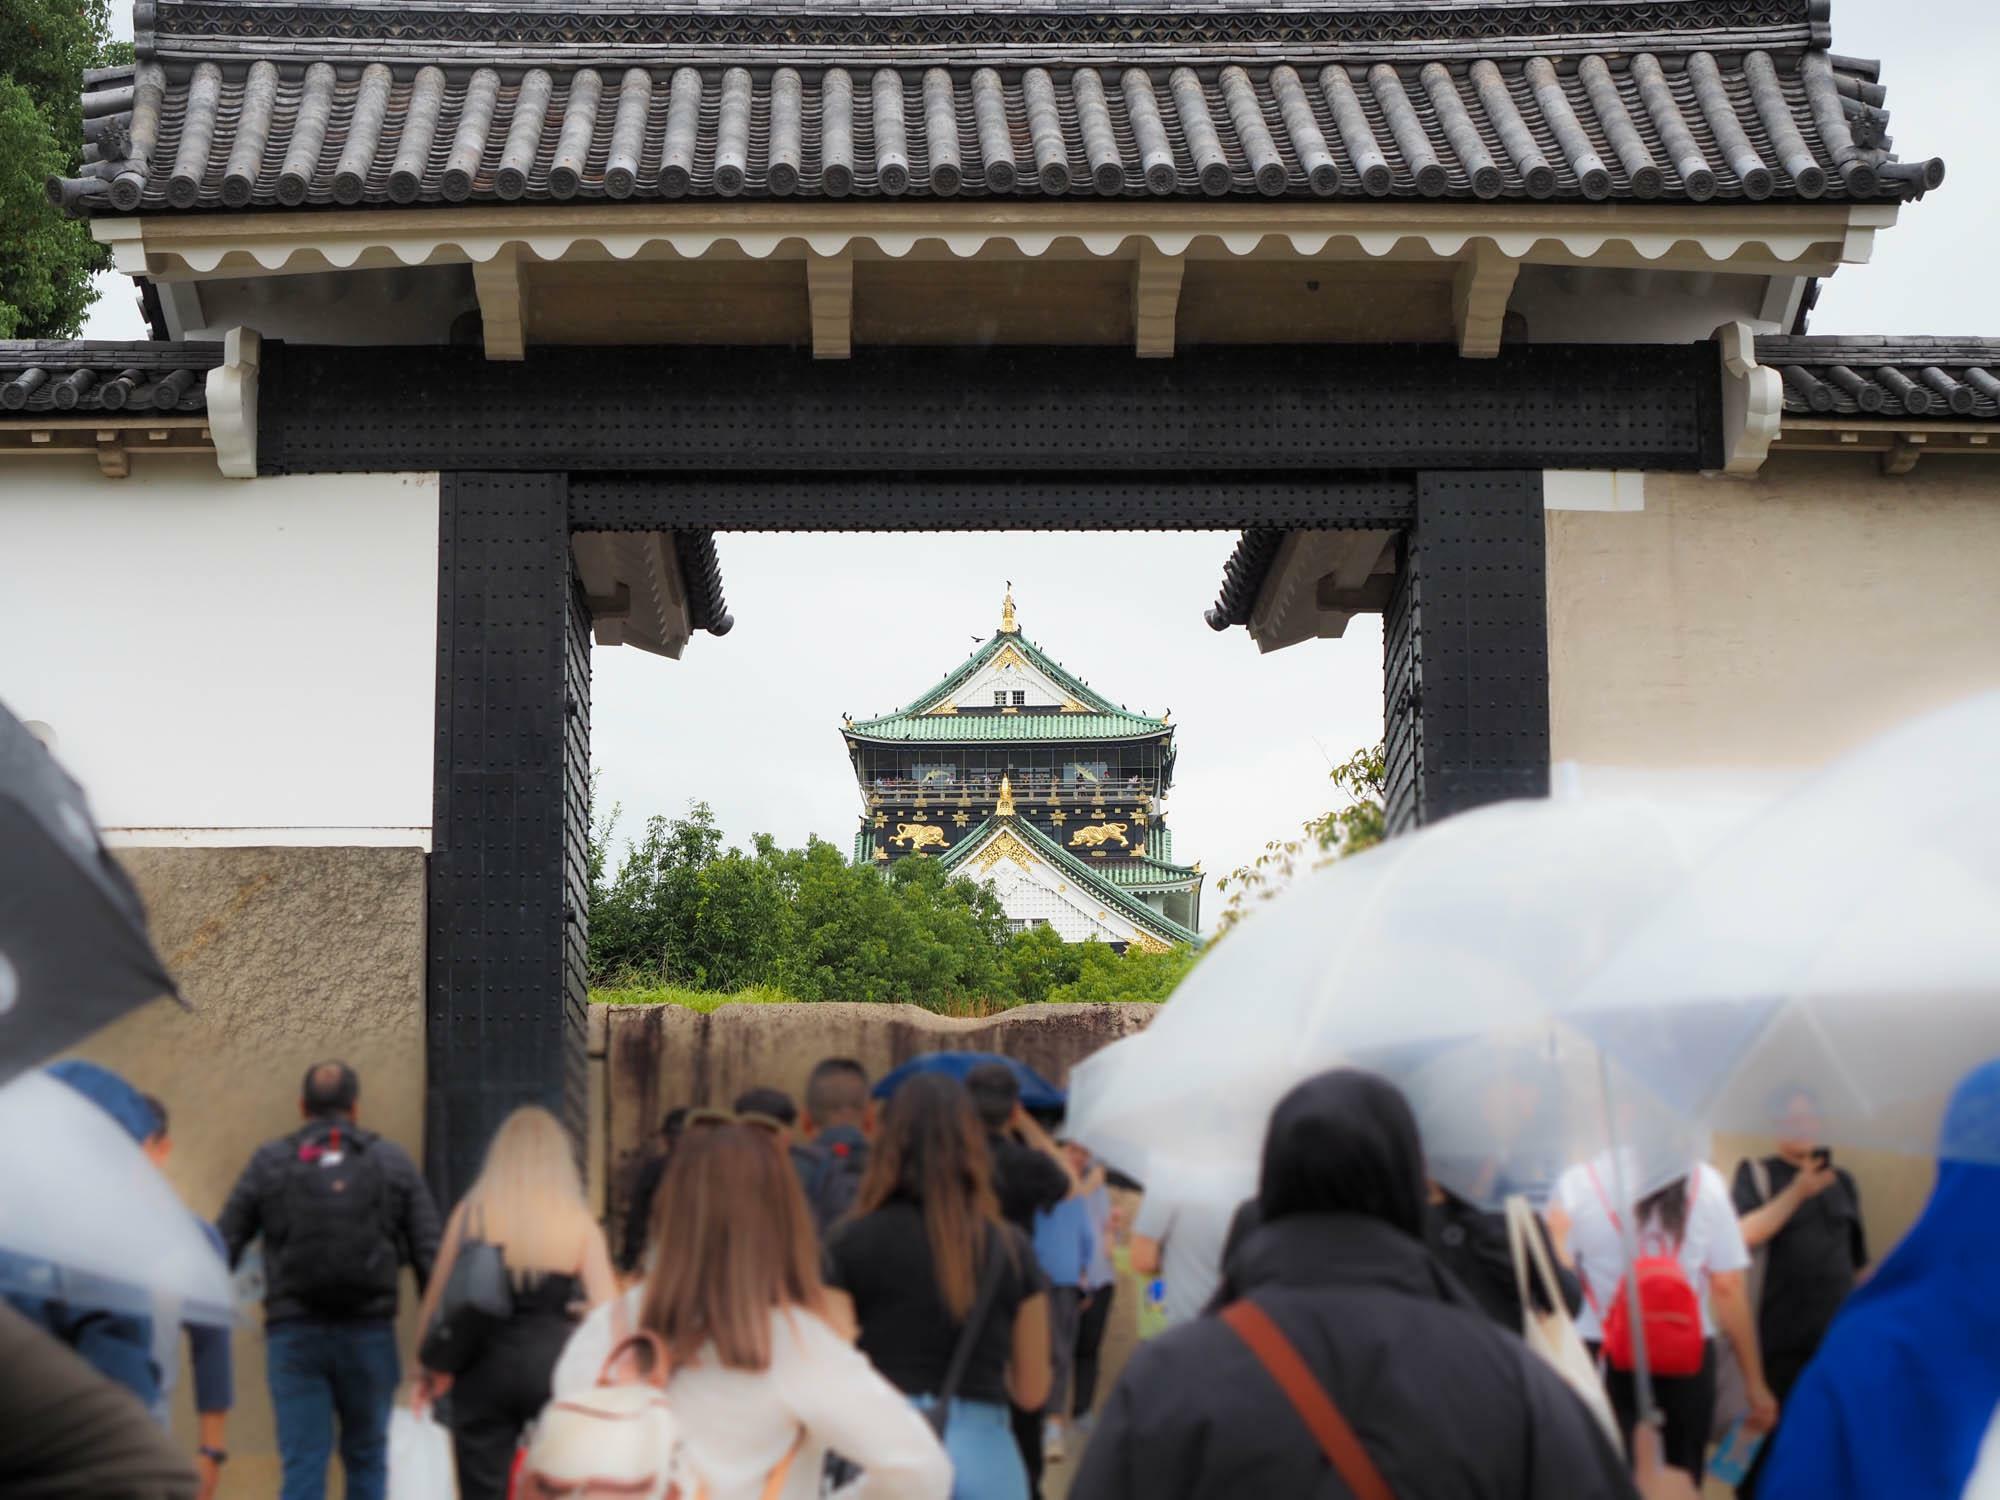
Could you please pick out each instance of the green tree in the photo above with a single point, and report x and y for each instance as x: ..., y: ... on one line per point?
x: 1348, y: 829
x: 1136, y: 974
x: 645, y: 920
x: 681, y: 910
x: 46, y: 258
x: 1037, y: 963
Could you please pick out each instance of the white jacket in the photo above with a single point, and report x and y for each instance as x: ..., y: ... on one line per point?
x: 737, y: 1424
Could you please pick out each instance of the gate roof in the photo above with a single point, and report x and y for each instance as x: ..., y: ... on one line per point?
x: 247, y: 103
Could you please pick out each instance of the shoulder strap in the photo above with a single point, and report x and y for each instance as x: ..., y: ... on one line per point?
x: 1530, y: 1257
x: 975, y: 1320
x: 1309, y: 1399
x: 1603, y: 1197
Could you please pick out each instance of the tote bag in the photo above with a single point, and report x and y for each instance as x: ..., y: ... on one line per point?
x: 1551, y: 1334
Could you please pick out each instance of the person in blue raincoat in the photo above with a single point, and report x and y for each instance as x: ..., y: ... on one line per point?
x: 1901, y: 1398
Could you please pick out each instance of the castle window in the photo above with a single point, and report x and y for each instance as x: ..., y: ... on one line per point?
x: 1020, y: 697
x: 999, y: 697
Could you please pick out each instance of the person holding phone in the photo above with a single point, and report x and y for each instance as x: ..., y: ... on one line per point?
x: 1801, y: 1216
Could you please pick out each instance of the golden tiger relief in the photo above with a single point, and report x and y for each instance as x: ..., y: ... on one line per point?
x: 1099, y: 833
x: 918, y: 835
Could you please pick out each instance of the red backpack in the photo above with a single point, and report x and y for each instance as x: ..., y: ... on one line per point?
x: 1668, y: 1306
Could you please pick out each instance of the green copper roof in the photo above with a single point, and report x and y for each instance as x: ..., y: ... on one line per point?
x: 1151, y: 874
x: 971, y: 728
x: 1101, y: 720
x: 1079, y: 870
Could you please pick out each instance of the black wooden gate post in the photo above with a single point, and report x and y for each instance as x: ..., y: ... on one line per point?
x: 505, y: 985
x: 1466, y: 648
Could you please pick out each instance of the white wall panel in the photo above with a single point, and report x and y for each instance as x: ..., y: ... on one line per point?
x: 227, y: 661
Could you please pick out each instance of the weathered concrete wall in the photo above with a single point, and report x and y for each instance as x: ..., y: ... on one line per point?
x: 289, y: 955
x: 1770, y: 623
x: 658, y: 1056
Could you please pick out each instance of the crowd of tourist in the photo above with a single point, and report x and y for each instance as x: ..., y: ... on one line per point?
x: 911, y: 1303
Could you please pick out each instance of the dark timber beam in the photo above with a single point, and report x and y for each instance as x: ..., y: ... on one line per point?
x: 1466, y: 649
x: 986, y: 502
x: 505, y: 996
x: 1078, y: 411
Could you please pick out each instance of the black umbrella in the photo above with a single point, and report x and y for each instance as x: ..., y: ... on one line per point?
x: 74, y: 954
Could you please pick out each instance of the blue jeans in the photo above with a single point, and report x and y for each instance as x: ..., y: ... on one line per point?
x: 320, y: 1371
x: 985, y: 1459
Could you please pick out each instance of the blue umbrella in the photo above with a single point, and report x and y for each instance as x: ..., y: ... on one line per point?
x: 1037, y: 1093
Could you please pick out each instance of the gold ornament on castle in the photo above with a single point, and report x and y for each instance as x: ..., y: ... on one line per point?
x: 1099, y: 834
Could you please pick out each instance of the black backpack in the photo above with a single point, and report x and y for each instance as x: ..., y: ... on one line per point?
x: 338, y: 1258
x: 833, y: 1180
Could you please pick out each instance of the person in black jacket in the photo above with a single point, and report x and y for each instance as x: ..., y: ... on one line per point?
x: 341, y: 1211
x: 1443, y: 1402
x: 639, y: 1213
x: 1472, y: 1244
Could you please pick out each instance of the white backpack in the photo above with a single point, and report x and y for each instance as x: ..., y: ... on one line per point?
x: 620, y: 1440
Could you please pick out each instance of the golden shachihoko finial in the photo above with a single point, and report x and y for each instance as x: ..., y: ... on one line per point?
x: 1004, y: 808
x: 1007, y: 625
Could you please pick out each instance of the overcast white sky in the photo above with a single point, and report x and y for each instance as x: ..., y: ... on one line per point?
x: 828, y: 625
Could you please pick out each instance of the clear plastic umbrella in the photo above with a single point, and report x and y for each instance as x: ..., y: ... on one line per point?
x: 1442, y: 960
x: 1838, y: 959
x: 87, y: 1219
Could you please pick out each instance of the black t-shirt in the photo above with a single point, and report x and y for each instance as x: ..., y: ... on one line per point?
x: 1025, y: 1180
x: 883, y: 1261
x: 1809, y: 1265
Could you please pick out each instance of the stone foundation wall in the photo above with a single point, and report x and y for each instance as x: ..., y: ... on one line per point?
x: 653, y: 1057
x: 288, y: 956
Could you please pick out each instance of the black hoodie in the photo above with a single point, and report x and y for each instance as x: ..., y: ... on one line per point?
x: 1449, y: 1406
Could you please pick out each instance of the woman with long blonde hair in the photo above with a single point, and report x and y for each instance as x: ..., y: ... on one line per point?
x: 763, y: 1382
x: 529, y: 1203
x: 925, y: 1238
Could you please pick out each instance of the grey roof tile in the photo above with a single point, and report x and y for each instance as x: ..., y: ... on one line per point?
x: 62, y: 376
x: 1884, y: 378
x: 354, y: 120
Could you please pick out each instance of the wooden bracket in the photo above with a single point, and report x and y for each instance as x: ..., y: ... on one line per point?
x: 1479, y: 294
x: 232, y: 404
x: 503, y: 303
x: 1903, y: 454
x: 1753, y: 402
x: 112, y: 460
x: 830, y: 291
x: 1156, y: 302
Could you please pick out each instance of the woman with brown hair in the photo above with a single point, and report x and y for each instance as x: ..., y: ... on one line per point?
x: 924, y: 1247
x: 761, y: 1380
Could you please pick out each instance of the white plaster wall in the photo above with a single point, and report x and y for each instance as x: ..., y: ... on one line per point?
x: 227, y: 661
x: 1772, y: 623
x: 406, y: 305
x: 1594, y: 305
x: 1006, y: 677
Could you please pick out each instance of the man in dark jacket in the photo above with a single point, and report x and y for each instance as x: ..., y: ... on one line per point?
x: 834, y: 1157
x: 341, y: 1210
x: 1444, y: 1403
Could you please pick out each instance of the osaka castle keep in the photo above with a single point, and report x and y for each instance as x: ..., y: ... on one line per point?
x: 1019, y: 774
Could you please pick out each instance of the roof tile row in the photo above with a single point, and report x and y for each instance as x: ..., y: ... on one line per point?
x: 231, y: 134
x: 92, y: 376
x: 1887, y: 377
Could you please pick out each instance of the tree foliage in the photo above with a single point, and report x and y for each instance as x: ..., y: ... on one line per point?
x: 1356, y: 824
x: 46, y: 258
x: 681, y: 909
